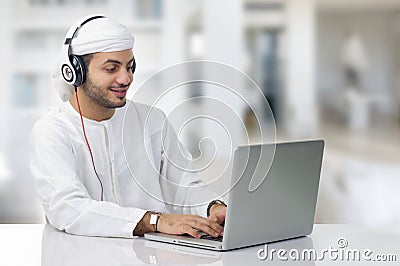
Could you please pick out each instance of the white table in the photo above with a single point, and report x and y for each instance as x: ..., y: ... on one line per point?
x: 44, y: 245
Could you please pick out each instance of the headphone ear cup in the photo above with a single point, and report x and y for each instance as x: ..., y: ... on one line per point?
x: 133, y: 66
x: 79, y: 69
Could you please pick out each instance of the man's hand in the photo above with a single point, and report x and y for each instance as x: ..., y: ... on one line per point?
x: 179, y: 224
x: 218, y: 214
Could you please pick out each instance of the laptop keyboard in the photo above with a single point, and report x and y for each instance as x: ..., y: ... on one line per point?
x: 208, y: 237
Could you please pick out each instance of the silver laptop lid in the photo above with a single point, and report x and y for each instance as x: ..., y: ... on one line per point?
x: 270, y: 202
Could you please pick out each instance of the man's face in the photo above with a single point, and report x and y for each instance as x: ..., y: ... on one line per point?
x: 109, y: 77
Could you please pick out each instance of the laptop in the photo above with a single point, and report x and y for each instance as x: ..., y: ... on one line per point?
x: 273, y: 196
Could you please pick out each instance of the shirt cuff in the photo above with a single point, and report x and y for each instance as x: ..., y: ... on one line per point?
x: 135, y: 218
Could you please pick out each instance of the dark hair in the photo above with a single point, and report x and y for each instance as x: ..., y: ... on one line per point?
x: 86, y: 60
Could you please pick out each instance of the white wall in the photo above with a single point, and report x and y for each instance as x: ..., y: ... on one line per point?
x: 223, y: 35
x: 300, y: 95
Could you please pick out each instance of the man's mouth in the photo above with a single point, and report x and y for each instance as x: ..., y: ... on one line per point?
x: 119, y: 92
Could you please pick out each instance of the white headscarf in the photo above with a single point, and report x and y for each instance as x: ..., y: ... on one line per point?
x: 98, y: 35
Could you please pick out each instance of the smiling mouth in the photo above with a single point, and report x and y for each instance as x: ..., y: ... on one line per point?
x: 119, y: 92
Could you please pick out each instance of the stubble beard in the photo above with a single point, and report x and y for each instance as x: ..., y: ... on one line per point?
x: 98, y: 96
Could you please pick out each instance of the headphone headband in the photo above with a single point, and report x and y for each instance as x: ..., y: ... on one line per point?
x: 72, y: 68
x: 69, y: 40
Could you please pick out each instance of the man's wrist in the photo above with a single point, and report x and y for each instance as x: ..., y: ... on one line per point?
x: 213, y: 204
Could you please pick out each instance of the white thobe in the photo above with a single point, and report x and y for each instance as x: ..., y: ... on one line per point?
x: 139, y: 160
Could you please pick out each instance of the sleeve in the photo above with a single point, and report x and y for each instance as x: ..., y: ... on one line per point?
x: 183, y: 188
x: 66, y: 202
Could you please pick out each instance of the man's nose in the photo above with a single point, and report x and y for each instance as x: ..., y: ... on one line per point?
x: 125, y: 77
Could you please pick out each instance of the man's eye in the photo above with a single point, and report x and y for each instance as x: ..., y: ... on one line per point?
x: 111, y: 69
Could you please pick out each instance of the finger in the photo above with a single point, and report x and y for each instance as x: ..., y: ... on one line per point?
x: 187, y: 229
x: 213, y: 224
x: 207, y: 226
x: 218, y: 217
x: 198, y: 221
x: 213, y: 218
x: 221, y: 218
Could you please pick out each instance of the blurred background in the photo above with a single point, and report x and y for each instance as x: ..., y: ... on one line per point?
x: 329, y: 69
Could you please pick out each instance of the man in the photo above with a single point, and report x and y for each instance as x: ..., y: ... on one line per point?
x: 105, y: 166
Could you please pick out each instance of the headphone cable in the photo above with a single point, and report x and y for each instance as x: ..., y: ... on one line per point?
x: 87, y: 143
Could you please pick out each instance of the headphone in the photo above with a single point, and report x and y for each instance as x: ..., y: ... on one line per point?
x: 73, y: 68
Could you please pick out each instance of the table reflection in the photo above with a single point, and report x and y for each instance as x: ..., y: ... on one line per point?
x: 59, y: 248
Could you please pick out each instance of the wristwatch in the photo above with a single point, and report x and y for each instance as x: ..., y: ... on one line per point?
x: 212, y: 203
x: 154, y: 217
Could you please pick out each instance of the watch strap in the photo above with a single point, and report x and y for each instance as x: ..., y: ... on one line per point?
x: 154, y: 217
